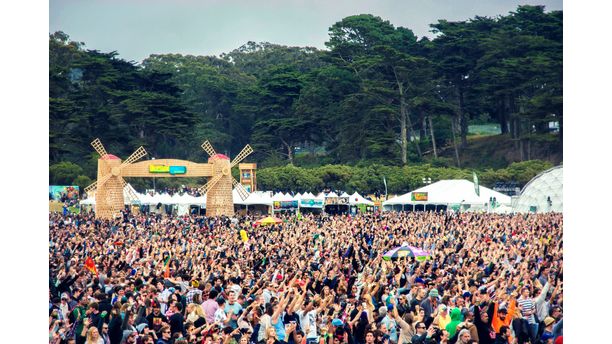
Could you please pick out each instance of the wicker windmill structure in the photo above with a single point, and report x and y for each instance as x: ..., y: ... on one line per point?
x: 218, y: 190
x: 110, y: 185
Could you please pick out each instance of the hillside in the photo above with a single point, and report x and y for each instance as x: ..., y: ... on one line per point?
x: 499, y: 151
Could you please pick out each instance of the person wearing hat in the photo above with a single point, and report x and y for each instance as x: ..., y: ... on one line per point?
x: 430, y: 305
x: 548, y: 329
x: 443, y: 318
x: 156, y: 318
x: 502, y: 316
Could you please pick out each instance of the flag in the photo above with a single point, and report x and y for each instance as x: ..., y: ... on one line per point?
x: 385, y: 181
x: 244, y: 235
x: 167, y: 265
x: 89, y: 265
x: 476, y: 185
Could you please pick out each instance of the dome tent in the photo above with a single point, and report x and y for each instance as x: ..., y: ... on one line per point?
x: 543, y: 193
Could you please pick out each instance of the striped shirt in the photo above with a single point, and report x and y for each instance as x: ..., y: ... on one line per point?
x: 527, y: 305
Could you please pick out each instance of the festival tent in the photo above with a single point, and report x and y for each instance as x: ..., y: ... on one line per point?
x: 130, y: 195
x: 258, y: 198
x: 503, y: 209
x: 288, y: 197
x: 543, y: 193
x: 344, y: 194
x: 297, y: 197
x: 331, y: 194
x: 356, y: 198
x: 88, y: 201
x: 146, y: 199
x: 279, y: 197
x: 454, y: 194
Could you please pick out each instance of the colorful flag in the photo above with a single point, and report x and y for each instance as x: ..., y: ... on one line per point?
x: 244, y: 235
x: 89, y: 265
x: 167, y: 265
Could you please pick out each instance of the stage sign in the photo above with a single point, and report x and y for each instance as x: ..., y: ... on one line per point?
x: 167, y: 169
x: 418, y: 196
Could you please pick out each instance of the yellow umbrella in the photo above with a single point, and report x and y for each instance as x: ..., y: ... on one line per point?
x: 268, y: 221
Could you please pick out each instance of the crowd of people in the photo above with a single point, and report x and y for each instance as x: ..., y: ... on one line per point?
x: 314, y: 279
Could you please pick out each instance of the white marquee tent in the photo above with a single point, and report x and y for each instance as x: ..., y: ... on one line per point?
x: 447, y: 194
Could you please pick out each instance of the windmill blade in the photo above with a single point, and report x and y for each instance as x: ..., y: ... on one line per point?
x: 139, y: 153
x: 241, y: 190
x: 204, y: 189
x: 243, y: 154
x: 94, y: 186
x: 128, y: 189
x: 99, y: 147
x: 208, y: 148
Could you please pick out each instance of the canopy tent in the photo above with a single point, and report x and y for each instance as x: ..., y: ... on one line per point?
x: 88, y: 201
x: 444, y: 194
x: 258, y: 198
x: 356, y: 198
x: 331, y: 194
x: 344, y: 194
x: 130, y: 196
x: 280, y: 197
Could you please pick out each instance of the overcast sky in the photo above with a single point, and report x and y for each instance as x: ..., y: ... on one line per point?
x: 138, y: 28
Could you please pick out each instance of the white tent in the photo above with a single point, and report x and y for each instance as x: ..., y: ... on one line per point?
x: 146, y: 199
x: 448, y: 193
x: 503, y: 209
x: 356, y: 198
x: 279, y: 197
x: 130, y: 196
x: 297, y: 197
x: 176, y: 199
x: 543, y: 193
x: 258, y: 197
x: 236, y: 197
x: 88, y: 201
x: 344, y: 194
x: 331, y: 194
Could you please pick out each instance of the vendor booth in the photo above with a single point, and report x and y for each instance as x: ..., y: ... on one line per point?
x: 359, y: 204
x: 258, y: 203
x: 310, y: 203
x: 335, y: 204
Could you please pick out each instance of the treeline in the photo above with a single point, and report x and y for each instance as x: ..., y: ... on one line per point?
x: 377, y: 95
x: 363, y: 179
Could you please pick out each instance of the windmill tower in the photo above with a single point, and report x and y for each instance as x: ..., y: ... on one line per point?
x: 109, y: 185
x: 219, y: 200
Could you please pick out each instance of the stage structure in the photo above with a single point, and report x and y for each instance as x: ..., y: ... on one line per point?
x: 111, y: 171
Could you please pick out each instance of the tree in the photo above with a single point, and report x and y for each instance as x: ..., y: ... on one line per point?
x: 64, y: 173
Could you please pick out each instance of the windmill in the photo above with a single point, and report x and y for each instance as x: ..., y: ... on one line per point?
x: 109, y: 185
x: 218, y: 189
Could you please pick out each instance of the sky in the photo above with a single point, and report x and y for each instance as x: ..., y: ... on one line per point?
x: 139, y: 28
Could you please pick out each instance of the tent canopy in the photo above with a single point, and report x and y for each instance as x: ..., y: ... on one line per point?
x: 356, y: 198
x: 447, y: 192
